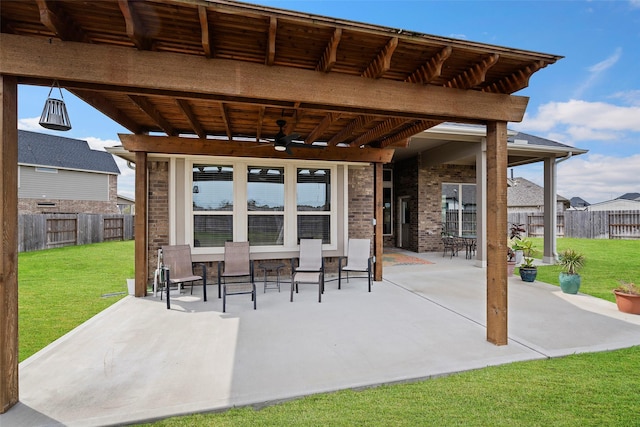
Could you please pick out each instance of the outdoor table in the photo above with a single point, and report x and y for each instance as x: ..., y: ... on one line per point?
x: 271, y: 266
x: 469, y: 244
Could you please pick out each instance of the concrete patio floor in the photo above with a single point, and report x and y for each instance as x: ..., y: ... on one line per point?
x: 137, y: 361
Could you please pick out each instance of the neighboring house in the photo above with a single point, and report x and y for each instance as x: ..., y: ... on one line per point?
x: 630, y: 196
x: 64, y: 175
x: 618, y: 204
x: 126, y: 205
x: 525, y: 196
x: 578, y: 203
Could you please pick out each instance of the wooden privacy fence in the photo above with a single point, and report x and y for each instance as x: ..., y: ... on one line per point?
x: 44, y: 231
x: 584, y: 224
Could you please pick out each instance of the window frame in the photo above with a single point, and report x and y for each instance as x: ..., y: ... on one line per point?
x: 241, y: 212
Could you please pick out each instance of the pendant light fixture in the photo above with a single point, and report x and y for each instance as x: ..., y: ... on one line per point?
x: 54, y: 114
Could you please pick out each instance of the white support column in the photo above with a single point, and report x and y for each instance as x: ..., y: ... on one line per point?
x: 550, y: 211
x: 481, y: 200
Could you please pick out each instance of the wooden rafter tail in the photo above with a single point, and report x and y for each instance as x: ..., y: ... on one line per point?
x: 378, y: 131
x: 259, y: 123
x: 271, y: 46
x: 150, y: 110
x: 101, y: 104
x: 329, y: 57
x: 60, y: 23
x: 135, y: 28
x: 382, y: 61
x: 516, y: 81
x: 349, y: 129
x: 324, y: 124
x: 407, y: 132
x: 474, y: 75
x: 207, y: 42
x: 184, y: 106
x: 225, y: 118
x: 432, y: 69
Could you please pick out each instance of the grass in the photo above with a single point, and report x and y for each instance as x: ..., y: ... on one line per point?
x: 58, y: 289
x: 61, y: 288
x: 607, y: 263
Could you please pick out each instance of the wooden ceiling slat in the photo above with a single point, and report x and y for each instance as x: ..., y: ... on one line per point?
x: 344, y: 134
x: 385, y: 128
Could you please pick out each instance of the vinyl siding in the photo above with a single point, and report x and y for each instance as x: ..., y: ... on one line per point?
x: 62, y: 185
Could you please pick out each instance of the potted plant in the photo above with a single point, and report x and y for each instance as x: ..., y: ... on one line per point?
x: 528, y: 271
x: 628, y: 297
x: 511, y: 258
x: 570, y: 261
x: 515, y: 236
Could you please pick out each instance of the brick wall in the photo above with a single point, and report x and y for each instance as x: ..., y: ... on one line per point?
x: 423, y: 186
x: 158, y: 211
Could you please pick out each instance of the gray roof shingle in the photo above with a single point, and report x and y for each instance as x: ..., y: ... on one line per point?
x: 65, y: 153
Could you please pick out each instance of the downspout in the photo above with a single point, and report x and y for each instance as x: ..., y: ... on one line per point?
x: 567, y: 157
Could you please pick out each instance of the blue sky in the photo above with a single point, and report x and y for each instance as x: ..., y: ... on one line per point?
x: 590, y: 99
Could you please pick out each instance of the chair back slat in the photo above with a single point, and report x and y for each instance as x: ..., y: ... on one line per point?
x: 310, y: 255
x: 358, y: 253
x: 236, y: 259
x: 178, y: 259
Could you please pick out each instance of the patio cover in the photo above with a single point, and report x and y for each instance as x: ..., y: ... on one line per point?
x: 222, y: 72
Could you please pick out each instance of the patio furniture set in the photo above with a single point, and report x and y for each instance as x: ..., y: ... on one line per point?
x: 236, y: 271
x: 454, y: 244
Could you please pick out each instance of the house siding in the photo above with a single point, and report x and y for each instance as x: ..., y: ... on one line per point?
x: 63, y: 201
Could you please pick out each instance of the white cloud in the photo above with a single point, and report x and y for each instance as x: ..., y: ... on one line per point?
x: 594, y: 177
x: 31, y: 124
x: 596, y: 70
x: 583, y: 117
x: 635, y: 3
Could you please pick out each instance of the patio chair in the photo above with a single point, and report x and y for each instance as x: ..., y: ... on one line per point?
x: 236, y: 264
x: 179, y: 269
x: 358, y: 260
x: 309, y: 267
x: 451, y: 245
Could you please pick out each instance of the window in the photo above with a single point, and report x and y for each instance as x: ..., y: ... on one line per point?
x: 459, y: 209
x: 265, y: 204
x: 313, y: 200
x: 271, y: 205
x: 212, y: 204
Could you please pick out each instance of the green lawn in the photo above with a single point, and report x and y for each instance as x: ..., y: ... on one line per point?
x: 61, y: 288
x: 607, y: 263
x: 58, y: 289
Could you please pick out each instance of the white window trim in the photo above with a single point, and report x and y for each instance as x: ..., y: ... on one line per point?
x: 240, y: 212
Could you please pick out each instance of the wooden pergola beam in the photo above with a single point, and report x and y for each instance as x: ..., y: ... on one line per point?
x: 59, y: 23
x: 432, y: 69
x: 207, y: 42
x: 135, y: 28
x: 382, y: 62
x: 496, y: 233
x: 183, y: 104
x: 151, y: 111
x: 8, y: 243
x: 211, y: 147
x: 329, y: 57
x: 271, y: 43
x: 242, y: 81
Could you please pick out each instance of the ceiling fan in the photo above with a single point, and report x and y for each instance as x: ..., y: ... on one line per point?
x: 282, y: 141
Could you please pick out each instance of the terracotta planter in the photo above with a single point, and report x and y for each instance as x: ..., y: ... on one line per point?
x: 628, y: 303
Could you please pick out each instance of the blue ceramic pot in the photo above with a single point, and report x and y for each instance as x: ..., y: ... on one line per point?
x: 569, y: 283
x: 528, y: 274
